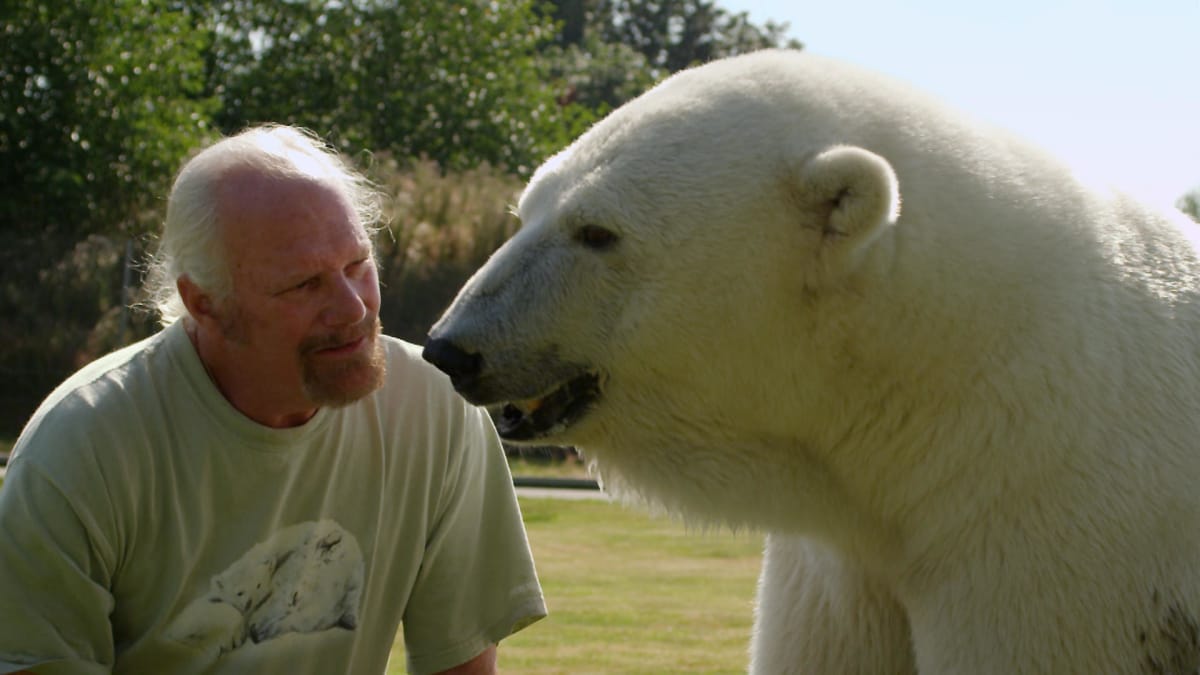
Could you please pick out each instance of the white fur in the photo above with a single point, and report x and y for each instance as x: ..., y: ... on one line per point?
x: 959, y: 387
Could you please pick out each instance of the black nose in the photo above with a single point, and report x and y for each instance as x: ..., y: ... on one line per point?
x: 462, y: 367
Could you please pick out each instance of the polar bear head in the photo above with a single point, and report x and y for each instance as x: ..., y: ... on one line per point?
x: 689, y: 229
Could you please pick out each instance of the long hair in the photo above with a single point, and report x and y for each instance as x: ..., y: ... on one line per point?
x: 191, y: 243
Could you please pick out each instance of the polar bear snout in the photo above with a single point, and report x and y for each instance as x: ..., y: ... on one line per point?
x: 564, y: 392
x: 463, y: 367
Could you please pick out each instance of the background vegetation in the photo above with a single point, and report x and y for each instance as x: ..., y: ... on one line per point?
x: 449, y: 105
x: 1190, y: 204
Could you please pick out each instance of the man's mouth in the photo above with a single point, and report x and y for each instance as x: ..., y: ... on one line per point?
x: 343, y: 348
x: 345, y: 342
x: 536, y: 418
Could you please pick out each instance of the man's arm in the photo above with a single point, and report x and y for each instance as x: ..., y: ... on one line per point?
x: 55, y: 585
x: 484, y: 664
x: 477, y: 583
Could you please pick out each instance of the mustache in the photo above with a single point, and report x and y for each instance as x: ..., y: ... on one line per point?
x: 368, y: 327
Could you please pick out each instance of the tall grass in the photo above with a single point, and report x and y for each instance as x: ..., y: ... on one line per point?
x: 440, y: 229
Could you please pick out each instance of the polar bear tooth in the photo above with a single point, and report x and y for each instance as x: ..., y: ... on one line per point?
x: 529, y: 405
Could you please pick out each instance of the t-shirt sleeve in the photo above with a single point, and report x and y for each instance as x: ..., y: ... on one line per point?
x: 54, y: 598
x: 477, y: 582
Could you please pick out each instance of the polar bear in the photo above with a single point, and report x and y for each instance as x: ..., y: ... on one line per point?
x: 304, y: 578
x: 316, y: 584
x: 958, y: 387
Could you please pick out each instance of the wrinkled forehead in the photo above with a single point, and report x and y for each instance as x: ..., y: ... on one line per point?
x: 250, y: 203
x: 273, y: 220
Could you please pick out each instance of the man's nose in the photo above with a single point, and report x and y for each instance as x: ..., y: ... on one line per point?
x: 346, y: 304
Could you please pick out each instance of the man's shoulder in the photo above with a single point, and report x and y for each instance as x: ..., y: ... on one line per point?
x: 411, y: 378
x: 406, y: 367
x: 397, y: 345
x: 102, y: 387
x: 114, y: 370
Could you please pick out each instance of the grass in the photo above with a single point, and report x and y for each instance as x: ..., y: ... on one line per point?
x: 631, y: 593
x: 570, y: 467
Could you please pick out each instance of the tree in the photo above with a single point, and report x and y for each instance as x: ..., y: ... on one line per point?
x: 676, y: 34
x: 98, y: 103
x: 1190, y: 204
x: 457, y: 82
x: 611, y: 50
x: 571, y: 18
x: 596, y: 75
x: 92, y: 122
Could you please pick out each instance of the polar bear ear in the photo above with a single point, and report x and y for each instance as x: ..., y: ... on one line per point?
x: 849, y: 195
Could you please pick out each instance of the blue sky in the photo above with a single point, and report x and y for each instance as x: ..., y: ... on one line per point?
x: 1111, y: 86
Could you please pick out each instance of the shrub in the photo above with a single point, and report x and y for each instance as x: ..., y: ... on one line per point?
x: 441, y: 227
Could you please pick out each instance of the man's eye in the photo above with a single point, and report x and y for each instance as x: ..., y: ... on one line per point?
x: 308, y: 284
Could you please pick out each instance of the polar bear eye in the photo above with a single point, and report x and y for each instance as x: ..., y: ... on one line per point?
x: 596, y: 237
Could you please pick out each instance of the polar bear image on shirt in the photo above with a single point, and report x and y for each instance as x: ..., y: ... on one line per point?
x: 305, y: 578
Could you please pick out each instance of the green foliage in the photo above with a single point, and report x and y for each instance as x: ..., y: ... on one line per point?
x: 460, y: 83
x: 1190, y: 204
x: 98, y: 103
x: 609, y: 51
x: 598, y: 76
x: 676, y: 34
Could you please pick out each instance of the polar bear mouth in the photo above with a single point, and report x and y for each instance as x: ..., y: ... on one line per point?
x: 536, y: 418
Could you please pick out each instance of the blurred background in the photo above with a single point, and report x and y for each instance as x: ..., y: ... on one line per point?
x: 449, y: 106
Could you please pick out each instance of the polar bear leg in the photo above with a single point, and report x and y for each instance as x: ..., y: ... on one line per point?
x: 818, y: 614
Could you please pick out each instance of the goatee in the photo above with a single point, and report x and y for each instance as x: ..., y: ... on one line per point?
x: 340, y: 381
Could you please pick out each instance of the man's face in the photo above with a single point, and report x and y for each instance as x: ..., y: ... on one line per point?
x: 304, y: 310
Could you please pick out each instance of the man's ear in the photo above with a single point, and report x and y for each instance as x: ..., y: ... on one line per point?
x: 199, y: 304
x: 848, y: 196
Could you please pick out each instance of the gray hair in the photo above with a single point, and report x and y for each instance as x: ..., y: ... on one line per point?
x: 191, y: 245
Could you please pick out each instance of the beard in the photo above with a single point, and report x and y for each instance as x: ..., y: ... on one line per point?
x: 334, y: 381
x: 340, y: 381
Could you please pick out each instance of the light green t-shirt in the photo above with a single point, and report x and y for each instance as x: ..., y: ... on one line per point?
x: 147, y: 527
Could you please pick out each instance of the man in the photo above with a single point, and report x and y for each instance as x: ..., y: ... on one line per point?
x: 268, y: 484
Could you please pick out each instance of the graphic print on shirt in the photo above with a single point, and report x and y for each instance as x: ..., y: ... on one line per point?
x: 303, y: 579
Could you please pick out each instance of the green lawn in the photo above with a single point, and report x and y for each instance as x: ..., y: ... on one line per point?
x: 629, y: 593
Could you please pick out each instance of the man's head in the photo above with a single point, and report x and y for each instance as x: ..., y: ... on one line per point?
x: 268, y: 255
x: 191, y: 239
